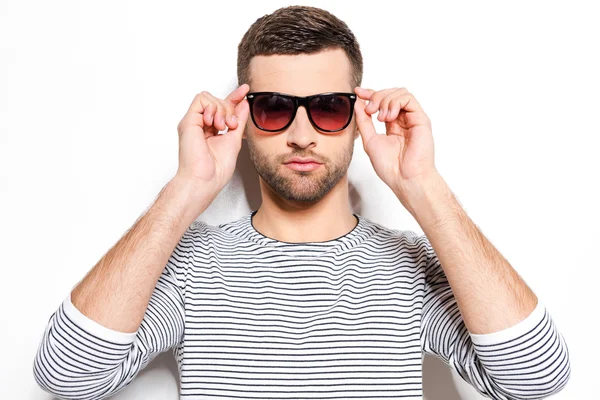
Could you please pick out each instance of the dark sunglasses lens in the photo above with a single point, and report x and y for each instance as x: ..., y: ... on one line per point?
x: 272, y: 112
x: 330, y: 112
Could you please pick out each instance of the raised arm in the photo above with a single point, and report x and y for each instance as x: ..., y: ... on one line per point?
x: 130, y: 306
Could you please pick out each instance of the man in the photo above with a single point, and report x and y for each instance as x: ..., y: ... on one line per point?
x: 302, y: 298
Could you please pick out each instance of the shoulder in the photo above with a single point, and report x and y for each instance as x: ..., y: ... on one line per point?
x: 202, y: 233
x: 406, y: 237
x: 399, y: 240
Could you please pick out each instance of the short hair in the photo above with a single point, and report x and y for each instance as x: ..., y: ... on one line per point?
x: 297, y: 30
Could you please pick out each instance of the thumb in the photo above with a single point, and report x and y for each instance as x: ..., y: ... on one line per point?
x: 241, y: 112
x: 364, y: 122
x: 238, y: 94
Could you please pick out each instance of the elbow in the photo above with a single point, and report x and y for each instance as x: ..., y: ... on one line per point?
x: 557, y: 375
x: 542, y: 389
x: 59, y: 381
x: 546, y: 382
x: 67, y: 375
x: 71, y: 363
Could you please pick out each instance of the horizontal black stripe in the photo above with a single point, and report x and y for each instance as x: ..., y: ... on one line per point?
x: 250, y: 317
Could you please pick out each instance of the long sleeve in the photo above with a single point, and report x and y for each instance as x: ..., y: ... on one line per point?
x: 80, y: 359
x: 529, y: 360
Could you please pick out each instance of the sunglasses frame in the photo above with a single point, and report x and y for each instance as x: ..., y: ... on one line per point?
x: 302, y: 101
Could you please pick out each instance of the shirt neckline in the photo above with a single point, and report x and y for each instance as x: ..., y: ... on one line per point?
x: 361, y: 231
x: 268, y: 239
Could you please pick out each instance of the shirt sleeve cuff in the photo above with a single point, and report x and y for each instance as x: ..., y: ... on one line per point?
x: 514, y: 332
x: 93, y: 327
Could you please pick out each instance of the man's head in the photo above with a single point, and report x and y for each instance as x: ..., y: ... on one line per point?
x: 300, y: 51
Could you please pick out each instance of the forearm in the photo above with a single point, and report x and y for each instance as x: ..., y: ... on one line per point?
x: 490, y: 294
x: 116, y: 292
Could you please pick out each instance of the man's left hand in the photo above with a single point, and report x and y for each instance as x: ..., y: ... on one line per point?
x: 405, y: 154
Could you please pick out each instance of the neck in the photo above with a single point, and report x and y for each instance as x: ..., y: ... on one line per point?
x: 297, y: 222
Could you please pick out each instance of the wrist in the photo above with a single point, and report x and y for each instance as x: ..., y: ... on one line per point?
x: 188, y: 196
x: 421, y: 195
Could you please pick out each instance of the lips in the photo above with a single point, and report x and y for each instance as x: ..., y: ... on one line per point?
x: 303, y: 166
x: 300, y: 160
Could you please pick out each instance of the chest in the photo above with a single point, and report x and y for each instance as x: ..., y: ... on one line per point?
x: 308, y: 328
x: 303, y: 310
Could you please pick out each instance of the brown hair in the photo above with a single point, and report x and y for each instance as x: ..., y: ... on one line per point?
x: 297, y: 30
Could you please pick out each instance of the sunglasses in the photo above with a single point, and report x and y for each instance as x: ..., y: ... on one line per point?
x: 274, y: 112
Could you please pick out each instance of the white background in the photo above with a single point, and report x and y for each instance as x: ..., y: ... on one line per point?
x: 91, y: 94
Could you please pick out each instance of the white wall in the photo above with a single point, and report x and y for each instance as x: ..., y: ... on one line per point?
x: 91, y: 94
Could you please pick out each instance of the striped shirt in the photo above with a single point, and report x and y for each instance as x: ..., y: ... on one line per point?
x: 251, y: 317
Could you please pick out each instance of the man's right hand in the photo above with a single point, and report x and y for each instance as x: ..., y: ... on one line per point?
x: 207, y: 159
x: 117, y: 291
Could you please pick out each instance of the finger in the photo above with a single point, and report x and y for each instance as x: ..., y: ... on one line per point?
x: 414, y: 112
x: 194, y: 119
x: 363, y: 93
x: 209, y: 113
x: 196, y: 106
x: 225, y: 115
x: 375, y: 100
x: 220, y: 111
x: 374, y: 97
x: 233, y: 99
x: 220, y: 115
x: 384, y: 106
x: 198, y: 120
x: 200, y: 113
x: 406, y: 102
x: 242, y: 110
x: 231, y: 119
x: 395, y: 107
x: 364, y: 122
x: 193, y: 115
x: 238, y: 94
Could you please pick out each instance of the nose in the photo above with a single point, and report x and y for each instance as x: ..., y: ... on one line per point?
x: 301, y: 133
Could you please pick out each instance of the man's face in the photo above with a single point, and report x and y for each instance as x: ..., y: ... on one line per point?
x: 301, y: 75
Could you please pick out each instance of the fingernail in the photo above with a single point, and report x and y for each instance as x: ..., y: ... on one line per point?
x: 222, y: 120
x: 234, y: 118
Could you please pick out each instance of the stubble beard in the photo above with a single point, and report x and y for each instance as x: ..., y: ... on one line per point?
x: 300, y: 186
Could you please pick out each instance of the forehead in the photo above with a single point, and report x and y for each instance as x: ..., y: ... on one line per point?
x: 302, y: 74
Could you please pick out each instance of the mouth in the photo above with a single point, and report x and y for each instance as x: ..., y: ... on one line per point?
x: 303, y: 166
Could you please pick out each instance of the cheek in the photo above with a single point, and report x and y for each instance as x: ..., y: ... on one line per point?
x: 266, y: 149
